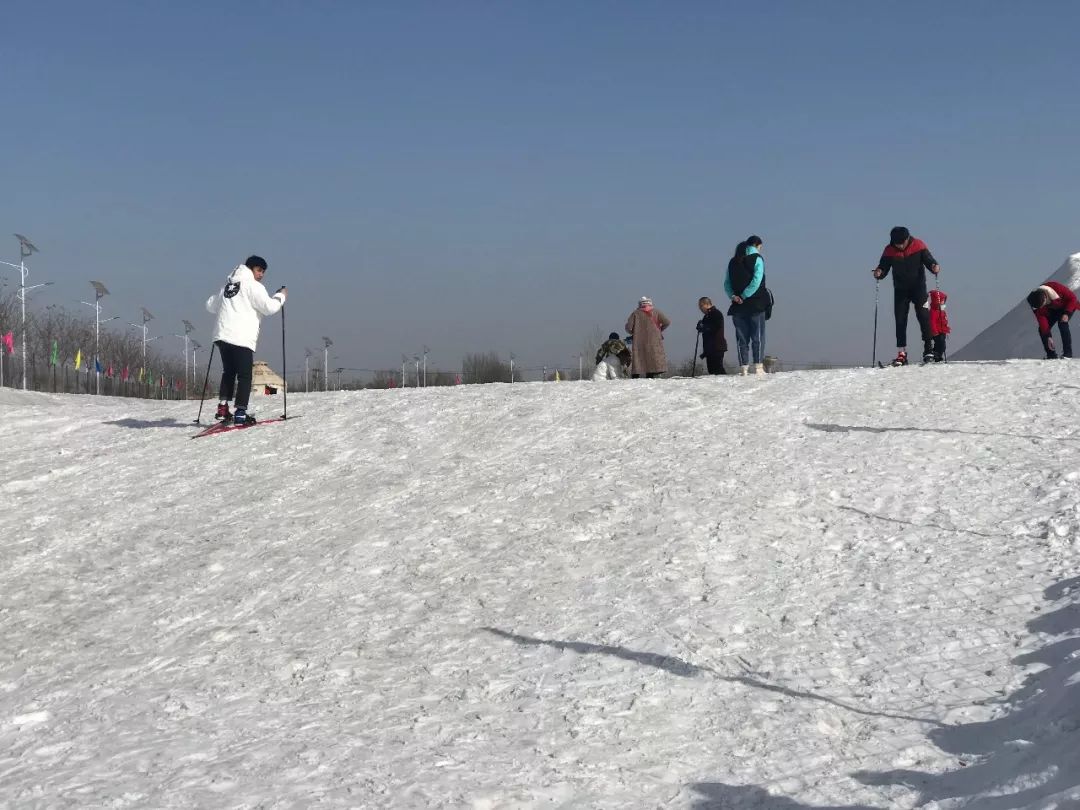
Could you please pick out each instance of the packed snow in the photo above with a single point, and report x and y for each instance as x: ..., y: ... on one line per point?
x: 1015, y: 333
x: 832, y: 589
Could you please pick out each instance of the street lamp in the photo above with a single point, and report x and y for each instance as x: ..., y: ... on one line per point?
x: 26, y: 249
x: 404, y: 360
x: 188, y: 329
x: 511, y: 367
x: 195, y: 346
x: 307, y: 373
x: 327, y: 343
x: 146, y: 318
x: 426, y: 350
x: 580, y: 366
x: 99, y: 292
x: 416, y: 357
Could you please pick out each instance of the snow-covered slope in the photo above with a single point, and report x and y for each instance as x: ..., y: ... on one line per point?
x: 1015, y: 334
x: 842, y: 589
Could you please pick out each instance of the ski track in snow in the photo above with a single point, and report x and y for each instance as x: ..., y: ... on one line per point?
x: 843, y: 589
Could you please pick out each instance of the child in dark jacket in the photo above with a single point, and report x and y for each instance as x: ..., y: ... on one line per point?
x: 713, y: 342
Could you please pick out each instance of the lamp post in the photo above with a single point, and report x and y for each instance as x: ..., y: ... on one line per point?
x: 426, y: 350
x: 146, y: 318
x: 416, y: 357
x: 404, y: 360
x: 511, y: 367
x: 100, y: 292
x: 307, y: 372
x: 327, y: 343
x: 26, y: 249
x: 195, y: 346
x: 580, y: 366
x: 188, y: 329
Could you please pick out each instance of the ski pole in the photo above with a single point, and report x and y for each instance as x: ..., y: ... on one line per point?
x: 206, y: 381
x: 693, y: 367
x: 284, y: 373
x: 877, y: 287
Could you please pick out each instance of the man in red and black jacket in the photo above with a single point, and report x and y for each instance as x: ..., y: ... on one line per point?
x: 1054, y: 303
x: 906, y: 258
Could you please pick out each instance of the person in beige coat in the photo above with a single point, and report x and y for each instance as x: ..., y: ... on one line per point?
x: 647, y: 324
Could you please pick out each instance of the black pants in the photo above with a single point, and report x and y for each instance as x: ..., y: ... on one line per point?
x: 715, y: 363
x: 652, y: 375
x: 903, y: 297
x: 236, y: 363
x: 1066, y: 335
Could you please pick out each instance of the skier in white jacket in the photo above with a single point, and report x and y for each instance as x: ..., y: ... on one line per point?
x: 239, y: 307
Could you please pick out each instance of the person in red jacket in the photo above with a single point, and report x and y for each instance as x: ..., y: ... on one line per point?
x: 1054, y: 303
x: 906, y: 257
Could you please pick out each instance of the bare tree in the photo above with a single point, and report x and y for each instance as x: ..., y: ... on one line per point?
x: 484, y: 368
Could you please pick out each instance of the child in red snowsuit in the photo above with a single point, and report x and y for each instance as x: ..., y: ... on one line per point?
x: 939, y: 322
x: 1054, y: 303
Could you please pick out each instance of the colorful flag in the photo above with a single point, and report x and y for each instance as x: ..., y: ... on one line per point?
x: 124, y: 374
x: 9, y: 342
x: 54, y: 358
x: 78, y: 359
x: 108, y: 371
x: 97, y: 365
x: 141, y: 372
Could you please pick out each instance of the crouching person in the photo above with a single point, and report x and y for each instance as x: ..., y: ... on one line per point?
x: 612, y: 360
x: 1054, y: 303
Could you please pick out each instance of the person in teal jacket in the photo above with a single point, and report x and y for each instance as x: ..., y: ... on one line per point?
x: 745, y: 286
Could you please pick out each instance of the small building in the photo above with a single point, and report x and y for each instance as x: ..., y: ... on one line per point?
x: 264, y: 380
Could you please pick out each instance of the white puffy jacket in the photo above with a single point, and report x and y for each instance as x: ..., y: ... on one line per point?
x: 239, y: 307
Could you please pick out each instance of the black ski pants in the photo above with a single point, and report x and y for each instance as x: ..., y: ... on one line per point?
x: 236, y: 363
x: 904, y: 296
x: 1066, y: 335
x: 715, y: 363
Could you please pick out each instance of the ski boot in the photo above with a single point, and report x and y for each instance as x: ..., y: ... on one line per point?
x: 901, y: 359
x: 242, y: 417
x: 223, y: 414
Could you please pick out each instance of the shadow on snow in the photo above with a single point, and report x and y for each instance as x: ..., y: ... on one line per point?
x: 1029, y: 754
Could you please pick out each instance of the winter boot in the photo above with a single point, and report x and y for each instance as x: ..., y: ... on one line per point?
x: 928, y: 351
x: 939, y: 349
x: 241, y: 417
x: 759, y: 369
x: 223, y: 412
x: 744, y: 370
x: 901, y: 358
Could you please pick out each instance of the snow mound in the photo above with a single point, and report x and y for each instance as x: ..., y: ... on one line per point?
x: 844, y: 589
x: 1015, y: 335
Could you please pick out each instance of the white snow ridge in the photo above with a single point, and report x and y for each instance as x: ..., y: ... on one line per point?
x: 1015, y: 334
x: 847, y: 589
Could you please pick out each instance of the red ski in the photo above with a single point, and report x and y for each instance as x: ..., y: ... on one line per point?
x: 213, y: 430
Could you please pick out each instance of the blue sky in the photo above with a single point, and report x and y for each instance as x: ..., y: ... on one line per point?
x: 484, y: 176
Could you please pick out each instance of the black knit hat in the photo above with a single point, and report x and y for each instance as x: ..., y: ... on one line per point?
x: 898, y: 235
x: 613, y: 336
